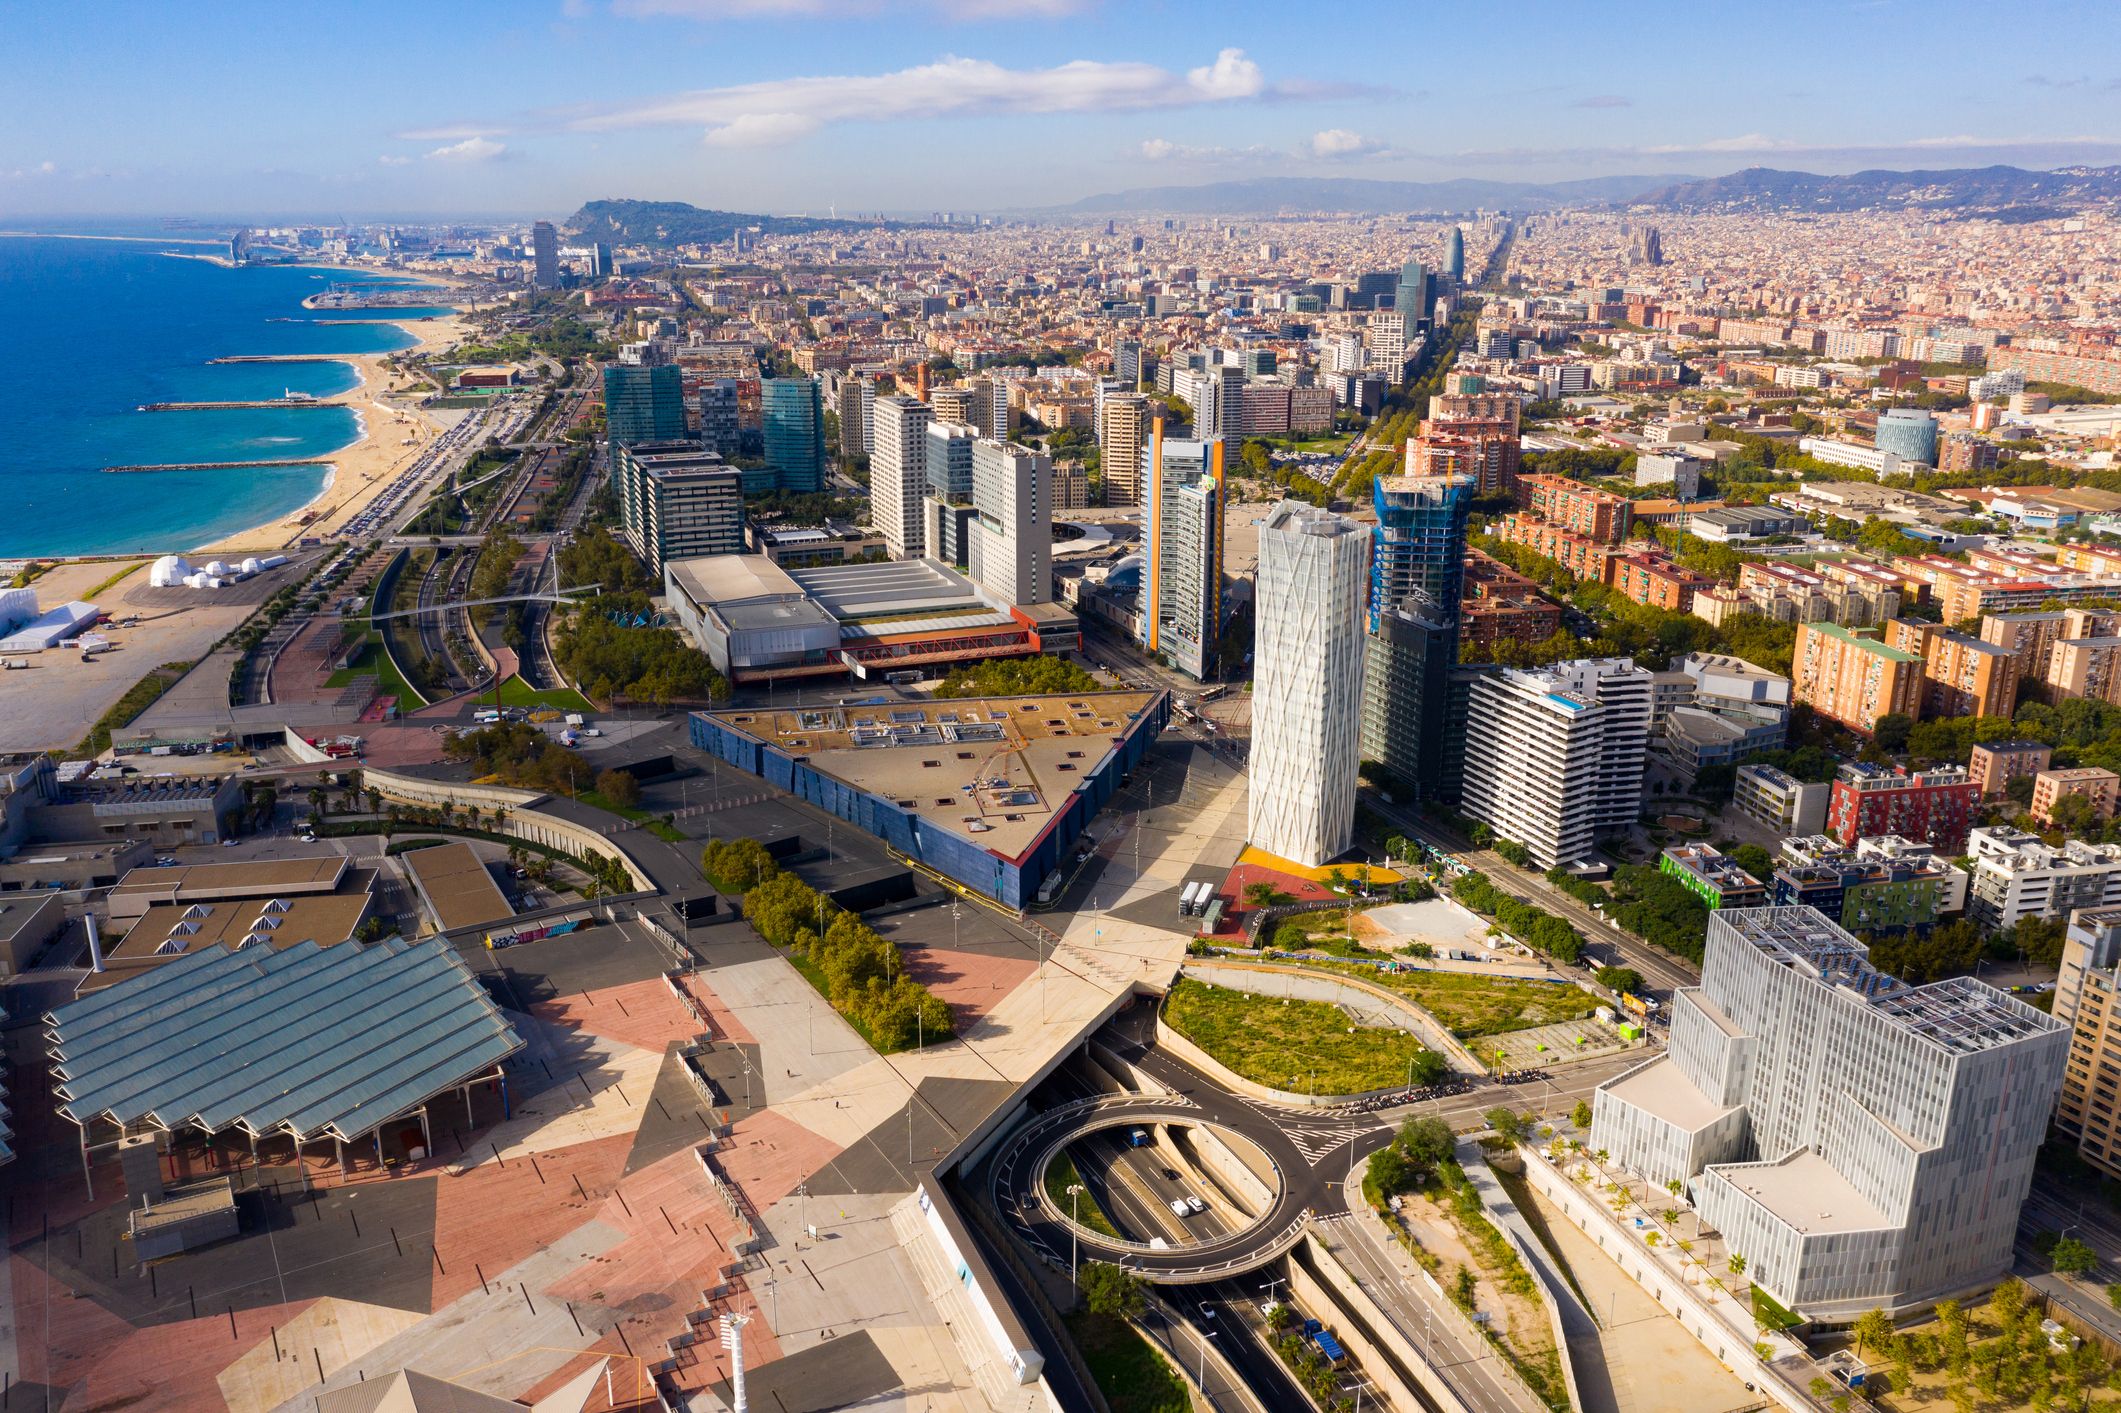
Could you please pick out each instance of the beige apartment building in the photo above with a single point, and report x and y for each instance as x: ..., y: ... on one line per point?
x: 2051, y: 787
x: 1852, y: 677
x: 2085, y: 1001
x: 1993, y: 765
x: 1961, y: 676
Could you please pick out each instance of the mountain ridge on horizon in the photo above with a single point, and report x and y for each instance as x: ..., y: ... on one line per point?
x: 1997, y: 187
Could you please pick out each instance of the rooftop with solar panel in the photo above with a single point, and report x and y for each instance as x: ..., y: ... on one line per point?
x: 994, y: 769
x: 1959, y: 1014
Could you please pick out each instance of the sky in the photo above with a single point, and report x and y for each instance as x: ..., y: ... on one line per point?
x: 530, y: 107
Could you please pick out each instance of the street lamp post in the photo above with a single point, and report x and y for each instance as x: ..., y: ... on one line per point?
x: 1075, y: 1193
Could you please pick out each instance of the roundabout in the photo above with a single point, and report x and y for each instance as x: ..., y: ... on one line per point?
x: 1234, y: 1238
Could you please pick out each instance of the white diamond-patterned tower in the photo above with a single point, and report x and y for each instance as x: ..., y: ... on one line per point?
x: 1314, y: 570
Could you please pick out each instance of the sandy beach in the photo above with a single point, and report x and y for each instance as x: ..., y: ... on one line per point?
x: 386, y: 405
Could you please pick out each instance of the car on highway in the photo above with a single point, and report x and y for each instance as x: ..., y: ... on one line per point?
x: 1195, y: 1205
x: 1170, y: 1175
x: 1207, y: 1311
x: 1179, y: 1208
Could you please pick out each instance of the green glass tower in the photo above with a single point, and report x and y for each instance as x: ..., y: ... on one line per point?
x: 793, y: 410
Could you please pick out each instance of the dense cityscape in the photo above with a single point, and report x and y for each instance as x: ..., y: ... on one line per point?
x: 1259, y: 797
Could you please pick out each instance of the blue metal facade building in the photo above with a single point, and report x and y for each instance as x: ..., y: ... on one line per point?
x: 1012, y: 882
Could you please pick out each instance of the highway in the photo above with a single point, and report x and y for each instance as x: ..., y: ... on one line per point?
x: 1469, y: 1366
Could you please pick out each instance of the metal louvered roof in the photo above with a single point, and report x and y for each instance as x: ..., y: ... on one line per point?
x: 312, y: 1041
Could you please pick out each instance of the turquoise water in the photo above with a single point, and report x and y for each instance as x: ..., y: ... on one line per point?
x: 99, y: 327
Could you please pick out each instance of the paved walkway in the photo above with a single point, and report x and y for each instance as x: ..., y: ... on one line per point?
x: 1651, y: 1364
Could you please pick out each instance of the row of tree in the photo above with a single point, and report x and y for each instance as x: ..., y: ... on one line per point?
x: 1535, y: 927
x: 863, y: 975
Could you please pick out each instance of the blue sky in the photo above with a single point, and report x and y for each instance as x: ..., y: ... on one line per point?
x: 533, y: 106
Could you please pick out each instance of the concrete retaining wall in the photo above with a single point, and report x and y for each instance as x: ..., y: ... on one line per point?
x: 1515, y: 1230
x: 1265, y: 980
x: 1233, y: 1171
x: 520, y: 822
x: 1227, y: 1078
x: 1376, y: 1343
x: 1689, y: 1306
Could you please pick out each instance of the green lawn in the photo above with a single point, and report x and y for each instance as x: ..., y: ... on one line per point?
x: 1470, y: 1004
x: 651, y: 822
x: 1060, y: 1176
x: 1133, y: 1376
x: 1269, y: 1040
x: 371, y: 660
x: 1325, y: 930
x: 514, y: 692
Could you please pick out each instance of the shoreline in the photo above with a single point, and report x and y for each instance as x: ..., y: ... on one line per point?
x: 364, y: 467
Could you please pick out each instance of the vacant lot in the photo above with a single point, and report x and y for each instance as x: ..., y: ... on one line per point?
x: 1286, y: 1044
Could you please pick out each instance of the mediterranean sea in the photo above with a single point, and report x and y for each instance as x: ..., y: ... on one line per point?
x: 95, y: 328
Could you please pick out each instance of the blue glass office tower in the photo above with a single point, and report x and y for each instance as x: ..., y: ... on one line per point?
x: 1417, y: 577
x: 793, y: 410
x: 1413, y: 297
x: 1454, y: 255
x: 641, y: 404
x: 1909, y: 433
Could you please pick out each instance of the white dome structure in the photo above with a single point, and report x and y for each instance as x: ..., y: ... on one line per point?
x: 168, y: 572
x: 252, y: 565
x: 219, y: 569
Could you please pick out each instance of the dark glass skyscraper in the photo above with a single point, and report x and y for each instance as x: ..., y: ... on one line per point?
x: 1417, y: 575
x: 1412, y: 299
x: 643, y: 404
x: 1454, y: 255
x: 793, y: 410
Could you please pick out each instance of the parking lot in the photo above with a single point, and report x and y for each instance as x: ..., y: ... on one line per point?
x: 50, y: 704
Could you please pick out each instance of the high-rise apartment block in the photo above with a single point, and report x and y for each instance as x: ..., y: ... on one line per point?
x: 2086, y: 1001
x: 1554, y: 757
x: 678, y: 502
x: 1127, y: 363
x: 1123, y: 440
x: 1307, y: 683
x: 857, y: 412
x: 544, y: 255
x: 1570, y: 504
x: 1961, y: 675
x: 1182, y: 551
x: 1850, y: 676
x: 1863, y: 1142
x: 793, y: 411
x: 1011, y: 555
x: 952, y: 404
x: 898, y: 474
x: 721, y: 417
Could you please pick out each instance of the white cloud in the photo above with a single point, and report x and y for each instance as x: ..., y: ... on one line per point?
x: 1163, y: 149
x: 392, y: 160
x: 1333, y: 143
x: 762, y: 130
x: 450, y: 132
x: 471, y: 149
x: 950, y: 87
x: 1232, y: 75
x: 40, y: 169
